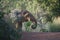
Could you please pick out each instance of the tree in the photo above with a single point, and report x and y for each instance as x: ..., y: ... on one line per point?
x: 52, y: 7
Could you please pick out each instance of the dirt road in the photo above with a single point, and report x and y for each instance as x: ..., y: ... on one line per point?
x: 41, y: 36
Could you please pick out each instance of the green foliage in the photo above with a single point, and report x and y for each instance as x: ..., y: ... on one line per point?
x: 49, y: 18
x: 30, y: 5
x: 3, y: 32
x: 28, y: 23
x: 1, y: 14
x: 43, y: 30
x: 49, y: 6
x: 27, y: 26
x: 52, y: 7
x: 7, y: 32
x: 54, y: 28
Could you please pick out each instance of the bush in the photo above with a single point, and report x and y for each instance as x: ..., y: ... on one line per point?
x: 27, y: 26
x: 7, y: 32
x: 54, y: 28
x: 44, y: 30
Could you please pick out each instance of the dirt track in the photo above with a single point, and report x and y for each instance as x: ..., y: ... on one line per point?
x: 41, y: 36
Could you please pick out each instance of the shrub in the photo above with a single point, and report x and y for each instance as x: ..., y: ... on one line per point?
x: 54, y: 28
x: 27, y: 26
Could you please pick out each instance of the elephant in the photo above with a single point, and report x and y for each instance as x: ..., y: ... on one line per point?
x: 23, y: 16
x: 18, y: 17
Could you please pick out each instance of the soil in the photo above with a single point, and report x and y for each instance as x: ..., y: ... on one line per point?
x: 40, y: 36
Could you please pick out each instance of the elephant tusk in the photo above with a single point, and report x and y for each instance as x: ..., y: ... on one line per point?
x: 16, y: 25
x: 28, y: 18
x: 26, y: 14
